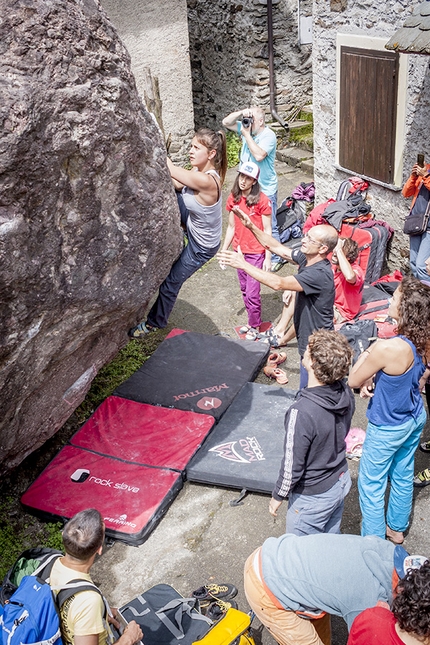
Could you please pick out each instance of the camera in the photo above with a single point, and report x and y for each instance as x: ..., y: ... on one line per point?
x: 247, y: 121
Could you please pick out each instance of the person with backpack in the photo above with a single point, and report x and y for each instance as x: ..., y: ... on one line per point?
x: 246, y: 197
x: 418, y: 187
x: 82, y: 615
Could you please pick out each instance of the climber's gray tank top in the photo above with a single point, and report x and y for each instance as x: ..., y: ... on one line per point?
x: 204, y: 223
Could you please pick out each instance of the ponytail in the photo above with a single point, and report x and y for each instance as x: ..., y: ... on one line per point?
x: 215, y: 141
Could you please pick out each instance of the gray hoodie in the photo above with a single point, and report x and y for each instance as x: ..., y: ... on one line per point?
x: 314, y: 449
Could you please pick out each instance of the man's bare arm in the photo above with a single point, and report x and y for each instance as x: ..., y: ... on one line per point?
x: 132, y: 634
x: 230, y: 121
x: 272, y: 280
x: 265, y: 240
x: 257, y: 151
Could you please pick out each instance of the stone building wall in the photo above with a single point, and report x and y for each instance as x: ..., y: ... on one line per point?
x: 156, y: 36
x: 229, y: 57
x: 368, y: 18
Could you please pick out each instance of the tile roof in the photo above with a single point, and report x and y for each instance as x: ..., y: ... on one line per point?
x: 414, y: 36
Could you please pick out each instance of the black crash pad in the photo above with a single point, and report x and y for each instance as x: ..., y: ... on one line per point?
x: 196, y: 372
x: 245, y: 449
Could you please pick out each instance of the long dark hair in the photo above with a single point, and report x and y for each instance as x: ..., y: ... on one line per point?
x: 253, y: 197
x: 215, y: 141
x: 414, y: 312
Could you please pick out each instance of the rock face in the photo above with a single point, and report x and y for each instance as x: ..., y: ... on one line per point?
x: 89, y: 225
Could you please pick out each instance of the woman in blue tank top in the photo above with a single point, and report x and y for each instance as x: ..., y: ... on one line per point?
x: 389, y: 373
x: 200, y: 204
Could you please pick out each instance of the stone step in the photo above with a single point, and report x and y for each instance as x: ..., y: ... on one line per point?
x: 308, y: 109
x: 308, y: 166
x: 294, y: 125
x: 297, y: 158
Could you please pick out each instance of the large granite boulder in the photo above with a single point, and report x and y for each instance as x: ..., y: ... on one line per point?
x: 89, y: 225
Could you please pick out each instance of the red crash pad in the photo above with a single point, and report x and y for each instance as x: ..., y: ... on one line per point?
x: 144, y: 434
x: 131, y: 498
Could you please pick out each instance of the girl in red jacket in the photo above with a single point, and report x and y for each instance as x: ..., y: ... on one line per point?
x: 247, y: 197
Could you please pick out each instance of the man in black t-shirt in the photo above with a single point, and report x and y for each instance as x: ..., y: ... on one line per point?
x: 313, y: 282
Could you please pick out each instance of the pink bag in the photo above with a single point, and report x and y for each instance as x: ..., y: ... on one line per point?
x: 354, y: 443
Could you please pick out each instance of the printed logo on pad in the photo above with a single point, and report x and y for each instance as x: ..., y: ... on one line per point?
x: 120, y: 521
x: 204, y: 390
x: 247, y: 450
x: 81, y: 475
x: 208, y: 403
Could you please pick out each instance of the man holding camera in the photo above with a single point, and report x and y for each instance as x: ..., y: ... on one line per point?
x: 258, y: 146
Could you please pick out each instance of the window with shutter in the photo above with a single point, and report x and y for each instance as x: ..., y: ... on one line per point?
x: 367, y: 117
x: 371, y: 107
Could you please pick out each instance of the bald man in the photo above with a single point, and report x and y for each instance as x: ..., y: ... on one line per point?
x: 313, y: 282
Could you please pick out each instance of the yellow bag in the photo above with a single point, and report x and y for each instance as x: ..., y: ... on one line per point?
x: 232, y: 628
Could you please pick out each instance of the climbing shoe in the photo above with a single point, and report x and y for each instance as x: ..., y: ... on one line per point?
x: 219, y: 608
x: 215, y: 591
x: 425, y: 446
x: 422, y: 478
x: 141, y: 330
x: 277, y: 265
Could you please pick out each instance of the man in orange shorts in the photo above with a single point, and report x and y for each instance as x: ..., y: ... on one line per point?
x: 294, y: 583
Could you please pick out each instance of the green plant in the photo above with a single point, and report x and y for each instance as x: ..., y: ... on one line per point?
x: 303, y: 136
x: 234, y: 145
x: 21, y: 531
x: 125, y: 363
x: 304, y: 115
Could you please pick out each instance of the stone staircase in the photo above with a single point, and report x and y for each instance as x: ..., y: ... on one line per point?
x: 294, y: 155
x: 297, y: 158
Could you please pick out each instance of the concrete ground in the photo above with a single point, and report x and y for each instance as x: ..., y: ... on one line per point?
x: 202, y: 538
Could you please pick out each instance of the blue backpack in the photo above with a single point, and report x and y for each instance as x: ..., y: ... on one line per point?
x: 29, y: 610
x: 31, y: 616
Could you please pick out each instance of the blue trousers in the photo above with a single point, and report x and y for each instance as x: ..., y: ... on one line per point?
x: 304, y: 376
x: 321, y: 513
x: 388, y: 451
x: 419, y: 251
x: 193, y: 257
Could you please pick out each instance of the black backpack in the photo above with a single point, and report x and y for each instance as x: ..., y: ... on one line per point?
x: 166, y: 617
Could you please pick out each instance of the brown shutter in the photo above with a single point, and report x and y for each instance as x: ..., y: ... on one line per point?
x: 368, y: 95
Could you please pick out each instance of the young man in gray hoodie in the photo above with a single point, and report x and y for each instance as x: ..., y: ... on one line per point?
x: 314, y: 474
